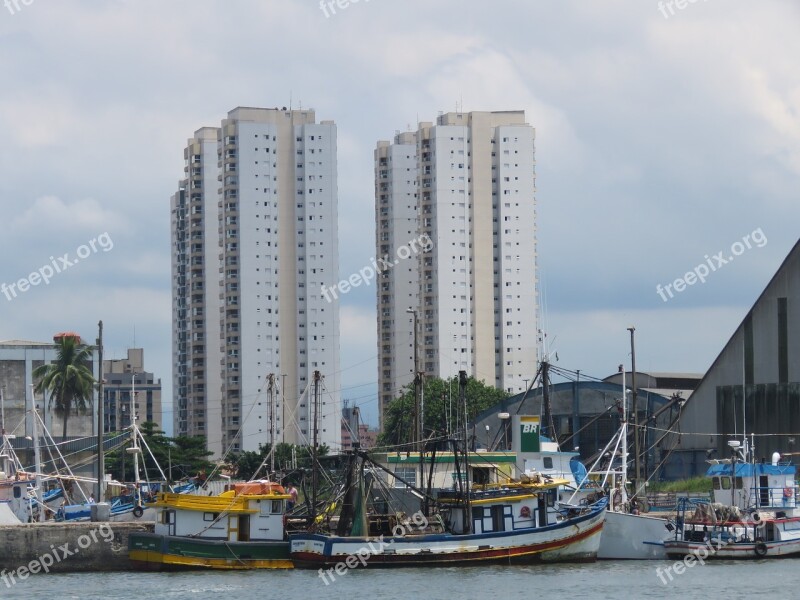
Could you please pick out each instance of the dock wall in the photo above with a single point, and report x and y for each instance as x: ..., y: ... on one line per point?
x: 65, y: 547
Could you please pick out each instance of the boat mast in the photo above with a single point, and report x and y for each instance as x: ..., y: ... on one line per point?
x: 547, y: 417
x: 314, y: 465
x: 624, y: 434
x: 37, y: 456
x: 462, y: 390
x: 137, y: 494
x: 3, y: 454
x: 635, y: 408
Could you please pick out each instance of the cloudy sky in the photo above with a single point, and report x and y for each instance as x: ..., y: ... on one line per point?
x: 663, y: 136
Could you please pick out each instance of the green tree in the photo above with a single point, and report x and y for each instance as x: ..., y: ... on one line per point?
x: 442, y: 408
x: 68, y: 381
x: 246, y: 463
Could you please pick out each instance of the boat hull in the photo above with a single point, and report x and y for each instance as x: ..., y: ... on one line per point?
x: 153, y: 552
x: 574, y: 540
x: 715, y: 550
x: 633, y: 537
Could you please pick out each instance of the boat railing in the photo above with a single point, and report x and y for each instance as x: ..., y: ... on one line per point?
x: 668, y: 500
x: 773, y: 497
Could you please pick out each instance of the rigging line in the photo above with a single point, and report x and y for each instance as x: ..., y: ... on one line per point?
x: 574, y: 379
x: 230, y: 446
x: 675, y: 444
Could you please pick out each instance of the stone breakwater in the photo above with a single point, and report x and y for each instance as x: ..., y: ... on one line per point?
x: 34, y: 548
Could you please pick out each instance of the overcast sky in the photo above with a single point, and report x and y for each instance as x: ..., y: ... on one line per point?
x: 661, y: 139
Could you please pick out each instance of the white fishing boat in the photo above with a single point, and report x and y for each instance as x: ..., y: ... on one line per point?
x: 15, y: 506
x: 754, y: 513
x: 627, y: 534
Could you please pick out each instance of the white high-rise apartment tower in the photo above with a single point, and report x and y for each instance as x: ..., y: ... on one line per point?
x: 469, y: 184
x: 276, y: 246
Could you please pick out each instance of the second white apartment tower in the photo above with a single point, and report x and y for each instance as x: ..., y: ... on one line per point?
x: 468, y: 183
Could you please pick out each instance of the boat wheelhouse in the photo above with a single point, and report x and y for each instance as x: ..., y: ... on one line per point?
x: 242, y: 528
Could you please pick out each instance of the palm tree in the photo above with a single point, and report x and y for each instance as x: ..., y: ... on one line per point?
x: 68, y: 380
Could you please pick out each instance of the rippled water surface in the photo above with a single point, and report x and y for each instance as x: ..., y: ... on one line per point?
x: 631, y: 580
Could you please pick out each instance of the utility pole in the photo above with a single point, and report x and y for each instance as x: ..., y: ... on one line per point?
x: 314, y: 449
x: 635, y: 409
x: 271, y: 390
x: 283, y: 408
x: 101, y: 467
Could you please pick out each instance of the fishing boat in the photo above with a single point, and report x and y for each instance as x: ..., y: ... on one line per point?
x: 513, y: 521
x: 242, y: 528
x: 510, y: 522
x: 754, y: 513
x: 15, y: 504
x: 626, y: 535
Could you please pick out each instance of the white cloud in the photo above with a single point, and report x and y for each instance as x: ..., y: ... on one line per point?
x: 52, y: 214
x: 657, y: 140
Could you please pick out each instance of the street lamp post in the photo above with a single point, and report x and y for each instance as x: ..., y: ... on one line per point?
x: 504, y: 417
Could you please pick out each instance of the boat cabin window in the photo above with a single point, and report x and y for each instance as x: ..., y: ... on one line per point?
x: 480, y: 475
x: 725, y: 482
x: 210, y: 516
x: 547, y: 461
x: 408, y: 474
x: 715, y: 482
x: 17, y: 491
x: 167, y: 517
x: 277, y: 507
x: 551, y: 497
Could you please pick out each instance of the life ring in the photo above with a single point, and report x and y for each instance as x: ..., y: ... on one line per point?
x: 788, y: 492
x: 525, y: 512
x: 138, y: 511
x: 760, y: 549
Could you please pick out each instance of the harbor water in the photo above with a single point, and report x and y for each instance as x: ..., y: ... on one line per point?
x: 631, y: 580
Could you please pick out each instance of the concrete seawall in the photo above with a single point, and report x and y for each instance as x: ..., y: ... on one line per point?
x: 66, y: 547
